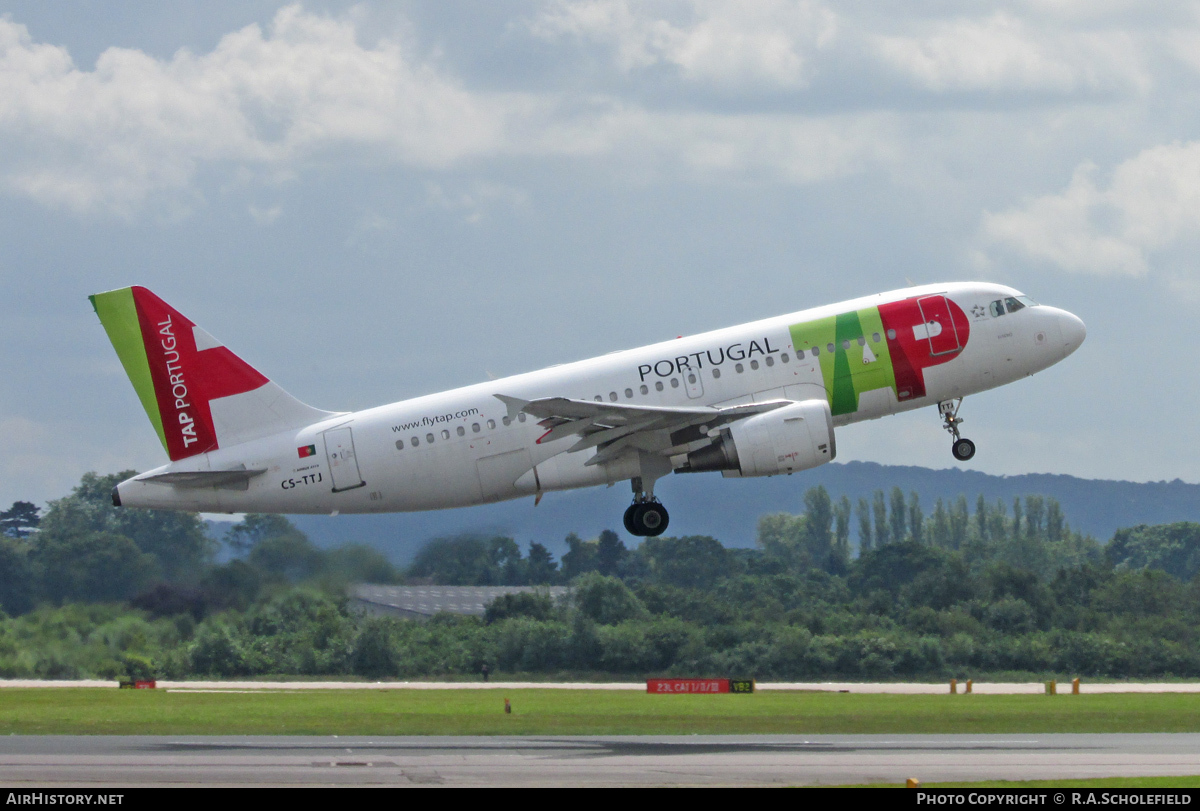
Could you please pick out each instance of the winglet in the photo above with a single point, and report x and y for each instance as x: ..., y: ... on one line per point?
x: 514, y: 405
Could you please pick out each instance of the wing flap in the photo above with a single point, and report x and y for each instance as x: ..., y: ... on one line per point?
x: 612, y: 428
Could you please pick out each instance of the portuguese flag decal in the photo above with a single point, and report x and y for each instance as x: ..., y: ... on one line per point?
x: 307, y: 451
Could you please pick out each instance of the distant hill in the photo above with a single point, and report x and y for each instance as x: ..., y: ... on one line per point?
x: 728, y: 509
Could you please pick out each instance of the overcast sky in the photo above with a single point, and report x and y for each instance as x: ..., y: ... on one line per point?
x: 373, y: 201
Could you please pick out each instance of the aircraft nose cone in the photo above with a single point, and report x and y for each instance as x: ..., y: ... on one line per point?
x: 1073, y: 332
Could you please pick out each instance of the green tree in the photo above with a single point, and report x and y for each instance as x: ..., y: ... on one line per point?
x: 916, y: 518
x: 818, y: 525
x: 883, y: 532
x: 981, y: 518
x: 543, y: 570
x: 694, y: 561
x: 898, y: 517
x: 375, y: 654
x: 840, y: 554
x: 462, y: 560
x: 521, y: 604
x: 865, y: 541
x: 959, y: 522
x: 939, y: 527
x: 508, y: 568
x: 1035, y: 515
x: 610, y: 552
x: 783, y: 538
x: 287, y: 553
x: 1173, y: 548
x: 20, y: 520
x: 1055, y: 523
x: 16, y: 577
x: 255, y: 528
x: 176, y: 540
x: 606, y: 600
x: 581, y: 557
x: 90, y: 567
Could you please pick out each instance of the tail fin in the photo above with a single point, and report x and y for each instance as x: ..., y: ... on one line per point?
x: 199, y: 395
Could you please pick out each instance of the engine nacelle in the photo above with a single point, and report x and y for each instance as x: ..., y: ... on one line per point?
x: 791, y: 438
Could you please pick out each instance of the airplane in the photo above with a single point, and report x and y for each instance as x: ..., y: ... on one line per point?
x: 759, y: 399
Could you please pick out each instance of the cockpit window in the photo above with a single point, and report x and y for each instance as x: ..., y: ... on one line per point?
x: 996, y: 308
x: 1013, y: 305
x: 1027, y: 301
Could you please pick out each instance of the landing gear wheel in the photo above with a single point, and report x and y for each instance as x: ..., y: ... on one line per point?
x: 630, y: 524
x: 963, y: 449
x: 650, y: 519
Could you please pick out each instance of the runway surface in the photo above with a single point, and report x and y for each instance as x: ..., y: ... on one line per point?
x: 129, y: 761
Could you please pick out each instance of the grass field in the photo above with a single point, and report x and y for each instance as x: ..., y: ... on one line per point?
x: 107, y: 711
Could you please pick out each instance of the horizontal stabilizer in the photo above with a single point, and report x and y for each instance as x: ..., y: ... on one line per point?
x: 238, y: 479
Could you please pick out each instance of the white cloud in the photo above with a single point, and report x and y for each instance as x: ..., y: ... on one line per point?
x: 718, y: 41
x: 1151, y: 205
x: 473, y: 203
x: 265, y: 216
x: 263, y: 104
x: 1007, y: 53
x: 107, y: 138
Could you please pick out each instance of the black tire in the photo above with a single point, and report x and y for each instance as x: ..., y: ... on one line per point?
x: 963, y: 449
x: 630, y: 522
x: 652, y: 519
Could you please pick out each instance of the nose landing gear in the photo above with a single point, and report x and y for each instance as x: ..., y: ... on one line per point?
x: 645, y: 517
x: 962, y: 448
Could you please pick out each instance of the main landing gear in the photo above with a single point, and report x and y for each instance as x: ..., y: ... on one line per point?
x: 963, y: 449
x: 645, y: 516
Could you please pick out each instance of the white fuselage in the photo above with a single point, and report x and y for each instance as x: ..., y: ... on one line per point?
x: 459, y: 447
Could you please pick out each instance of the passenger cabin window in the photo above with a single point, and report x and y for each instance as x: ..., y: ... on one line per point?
x: 491, y: 424
x: 506, y: 420
x: 845, y: 343
x: 739, y: 368
x: 816, y: 350
x: 415, y: 442
x: 784, y: 357
x: 674, y: 382
x: 644, y: 389
x: 521, y: 417
x: 770, y: 361
x: 445, y: 434
x: 691, y: 378
x: 716, y: 374
x: 399, y: 444
x: 462, y: 431
x: 658, y: 386
x: 475, y: 427
x: 875, y: 337
x: 891, y: 333
x: 628, y: 394
x: 429, y: 438
x: 830, y: 348
x: 754, y: 364
x: 1013, y: 305
x: 862, y: 341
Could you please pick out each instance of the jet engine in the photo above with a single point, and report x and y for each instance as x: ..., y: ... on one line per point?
x: 790, y: 438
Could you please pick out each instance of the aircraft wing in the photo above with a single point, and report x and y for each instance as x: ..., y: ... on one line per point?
x: 614, y: 427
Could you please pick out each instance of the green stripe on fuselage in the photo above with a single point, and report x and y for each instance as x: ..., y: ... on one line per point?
x: 844, y: 372
x: 118, y: 314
